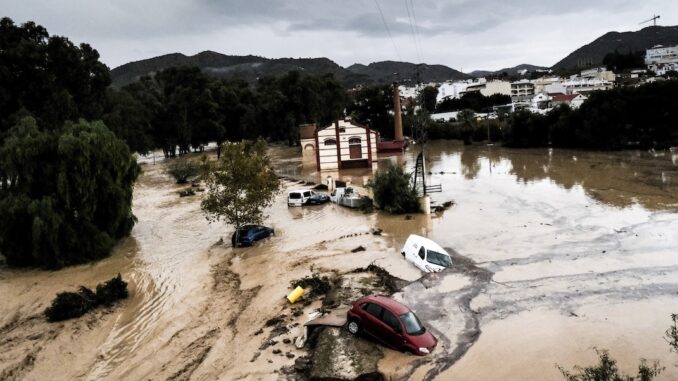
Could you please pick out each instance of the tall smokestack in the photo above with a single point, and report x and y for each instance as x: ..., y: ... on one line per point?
x: 398, y: 118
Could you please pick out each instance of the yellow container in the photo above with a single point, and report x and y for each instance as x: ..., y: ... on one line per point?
x: 295, y: 295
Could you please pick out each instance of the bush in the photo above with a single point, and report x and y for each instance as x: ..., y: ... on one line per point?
x: 182, y: 170
x: 393, y: 191
x: 607, y: 370
x: 69, y: 305
x: 111, y: 291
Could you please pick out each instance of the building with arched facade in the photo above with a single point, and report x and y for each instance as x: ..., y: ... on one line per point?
x: 342, y: 144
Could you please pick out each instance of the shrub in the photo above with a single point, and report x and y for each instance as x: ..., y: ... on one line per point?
x: 607, y: 370
x: 393, y: 191
x: 182, y: 170
x: 69, y: 305
x: 111, y: 291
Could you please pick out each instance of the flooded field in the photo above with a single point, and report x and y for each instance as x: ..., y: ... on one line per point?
x: 558, y: 252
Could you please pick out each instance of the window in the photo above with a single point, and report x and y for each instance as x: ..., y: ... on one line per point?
x: 422, y: 252
x: 295, y: 196
x: 374, y: 310
x: 391, y: 321
x: 439, y: 259
x: 354, y: 141
x: 307, y: 194
x: 330, y: 142
x: 412, y: 324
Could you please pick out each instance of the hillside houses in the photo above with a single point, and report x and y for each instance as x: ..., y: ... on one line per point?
x: 549, y: 90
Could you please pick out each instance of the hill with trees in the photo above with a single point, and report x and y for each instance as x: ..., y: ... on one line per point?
x: 506, y: 72
x: 249, y: 68
x: 592, y: 54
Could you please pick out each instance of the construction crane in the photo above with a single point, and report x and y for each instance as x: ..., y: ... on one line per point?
x: 653, y: 19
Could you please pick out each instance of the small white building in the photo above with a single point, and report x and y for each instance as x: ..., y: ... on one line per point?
x: 343, y: 144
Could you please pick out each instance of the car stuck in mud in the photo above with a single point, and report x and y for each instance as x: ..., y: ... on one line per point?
x: 427, y: 255
x: 390, y: 323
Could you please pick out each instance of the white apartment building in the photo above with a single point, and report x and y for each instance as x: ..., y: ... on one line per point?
x: 584, y: 86
x: 662, y: 59
x: 522, y: 90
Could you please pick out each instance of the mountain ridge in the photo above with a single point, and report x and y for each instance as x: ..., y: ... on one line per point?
x: 251, y: 67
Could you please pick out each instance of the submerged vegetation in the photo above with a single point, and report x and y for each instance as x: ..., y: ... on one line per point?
x: 69, y: 305
x: 183, y: 170
x: 240, y: 185
x: 607, y: 370
x: 393, y: 191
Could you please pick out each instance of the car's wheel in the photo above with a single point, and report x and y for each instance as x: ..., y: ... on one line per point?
x: 353, y: 327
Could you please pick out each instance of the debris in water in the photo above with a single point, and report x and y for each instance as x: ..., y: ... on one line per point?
x: 320, y: 187
x: 377, y: 231
x: 408, y: 217
x: 357, y: 249
x: 275, y: 321
x: 318, y: 285
x: 295, y: 294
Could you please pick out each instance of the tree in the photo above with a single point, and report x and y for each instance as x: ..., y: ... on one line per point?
x: 240, y: 185
x: 429, y: 96
x: 183, y: 170
x: 373, y: 106
x: 48, y: 77
x: 65, y: 195
x: 393, y: 191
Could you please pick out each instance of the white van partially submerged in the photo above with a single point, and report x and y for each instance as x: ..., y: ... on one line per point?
x: 427, y: 255
x: 298, y: 197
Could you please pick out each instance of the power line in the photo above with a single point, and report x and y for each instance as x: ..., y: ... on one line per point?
x: 416, y: 29
x: 414, y: 34
x: 388, y: 30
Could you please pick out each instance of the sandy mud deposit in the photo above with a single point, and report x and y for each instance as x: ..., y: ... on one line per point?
x: 558, y: 252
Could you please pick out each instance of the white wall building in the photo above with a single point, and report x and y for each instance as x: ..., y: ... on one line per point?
x: 662, y: 59
x: 584, y: 86
x: 522, y: 90
x: 342, y: 144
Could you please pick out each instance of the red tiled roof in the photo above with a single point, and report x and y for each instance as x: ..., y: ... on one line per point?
x: 563, y: 97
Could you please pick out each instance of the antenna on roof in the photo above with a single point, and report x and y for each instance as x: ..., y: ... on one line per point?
x: 653, y: 19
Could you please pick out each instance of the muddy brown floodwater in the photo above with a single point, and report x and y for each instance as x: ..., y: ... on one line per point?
x: 556, y: 253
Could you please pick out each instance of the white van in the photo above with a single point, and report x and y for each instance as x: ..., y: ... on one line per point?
x: 427, y: 255
x: 298, y: 197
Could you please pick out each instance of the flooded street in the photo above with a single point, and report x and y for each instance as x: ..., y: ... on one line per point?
x: 558, y: 252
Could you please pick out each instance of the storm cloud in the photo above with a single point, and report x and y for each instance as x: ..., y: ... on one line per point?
x: 462, y: 34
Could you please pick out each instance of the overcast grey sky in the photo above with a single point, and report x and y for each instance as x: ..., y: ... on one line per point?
x: 463, y: 34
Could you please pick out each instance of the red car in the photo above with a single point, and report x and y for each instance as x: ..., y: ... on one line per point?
x: 390, y: 323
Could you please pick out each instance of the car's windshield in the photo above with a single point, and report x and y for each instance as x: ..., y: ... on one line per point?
x: 412, y: 324
x: 438, y: 258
